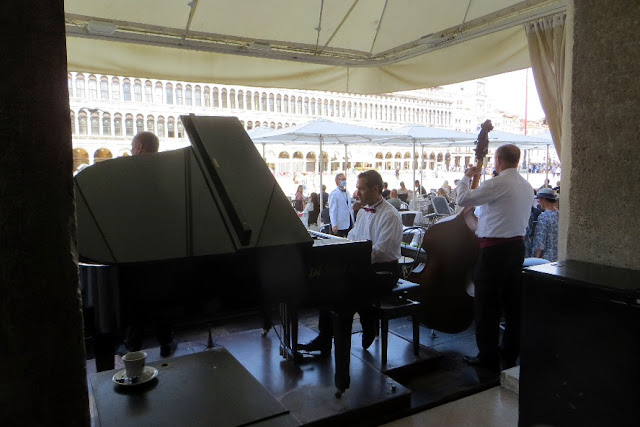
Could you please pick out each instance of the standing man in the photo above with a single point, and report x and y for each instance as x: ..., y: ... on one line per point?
x: 148, y: 143
x: 380, y: 223
x: 505, y: 203
x: 325, y: 197
x: 340, y: 211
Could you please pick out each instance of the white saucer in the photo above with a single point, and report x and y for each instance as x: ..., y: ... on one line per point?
x: 148, y: 374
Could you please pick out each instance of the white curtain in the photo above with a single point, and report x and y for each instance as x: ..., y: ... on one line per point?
x: 547, y: 40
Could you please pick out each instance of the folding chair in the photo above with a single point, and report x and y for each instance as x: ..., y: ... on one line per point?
x: 441, y: 209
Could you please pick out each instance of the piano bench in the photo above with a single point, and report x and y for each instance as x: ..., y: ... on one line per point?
x: 399, y: 305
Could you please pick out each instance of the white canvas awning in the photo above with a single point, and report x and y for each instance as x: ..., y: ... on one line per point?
x: 357, y: 46
x: 323, y: 131
x: 497, y: 138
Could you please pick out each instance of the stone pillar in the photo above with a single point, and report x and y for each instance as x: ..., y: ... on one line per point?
x: 42, y: 357
x: 600, y: 160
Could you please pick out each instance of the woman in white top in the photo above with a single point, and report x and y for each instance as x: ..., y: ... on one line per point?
x: 310, y: 213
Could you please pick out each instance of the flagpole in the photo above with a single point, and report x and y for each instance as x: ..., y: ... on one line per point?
x: 526, y: 99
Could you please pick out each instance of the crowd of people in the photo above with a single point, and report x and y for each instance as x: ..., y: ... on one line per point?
x: 397, y: 197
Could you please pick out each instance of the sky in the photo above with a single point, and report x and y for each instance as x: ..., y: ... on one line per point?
x: 507, y: 92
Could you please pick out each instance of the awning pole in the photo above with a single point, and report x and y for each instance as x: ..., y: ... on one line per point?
x: 345, y: 160
x: 546, y: 176
x: 413, y: 166
x: 320, y: 195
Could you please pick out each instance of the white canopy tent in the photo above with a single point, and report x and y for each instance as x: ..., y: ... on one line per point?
x: 524, y: 142
x: 323, y: 131
x: 257, y: 132
x: 425, y: 135
x: 357, y: 46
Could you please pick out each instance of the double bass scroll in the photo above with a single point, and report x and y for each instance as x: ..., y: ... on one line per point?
x: 452, y: 249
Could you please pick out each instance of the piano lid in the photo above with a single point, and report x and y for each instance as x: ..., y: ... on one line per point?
x: 215, y: 197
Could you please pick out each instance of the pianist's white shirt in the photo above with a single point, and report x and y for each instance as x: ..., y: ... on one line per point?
x: 383, y: 228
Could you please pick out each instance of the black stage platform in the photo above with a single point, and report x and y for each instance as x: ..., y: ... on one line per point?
x: 378, y: 394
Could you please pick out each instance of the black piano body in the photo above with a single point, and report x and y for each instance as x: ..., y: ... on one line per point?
x: 180, y: 228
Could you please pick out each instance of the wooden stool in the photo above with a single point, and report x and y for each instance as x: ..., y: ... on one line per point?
x: 399, y: 305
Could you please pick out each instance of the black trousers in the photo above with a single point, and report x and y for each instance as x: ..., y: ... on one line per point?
x: 498, y: 289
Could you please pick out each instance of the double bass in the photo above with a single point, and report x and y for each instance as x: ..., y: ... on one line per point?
x: 452, y: 249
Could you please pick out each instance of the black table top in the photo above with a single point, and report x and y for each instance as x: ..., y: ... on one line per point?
x: 590, y: 274
x: 207, y: 388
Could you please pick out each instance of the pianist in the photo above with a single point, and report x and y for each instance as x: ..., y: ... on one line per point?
x: 380, y: 223
x: 146, y: 143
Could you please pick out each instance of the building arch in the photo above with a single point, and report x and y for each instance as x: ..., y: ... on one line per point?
x: 171, y: 127
x: 126, y: 90
x: 241, y: 100
x: 79, y: 85
x: 139, y: 123
x: 151, y: 125
x: 159, y: 93
x: 188, y: 95
x: 104, y: 87
x: 82, y: 123
x: 137, y: 90
x: 70, y: 84
x: 168, y: 93
x: 80, y: 157
x: 311, y: 162
x: 180, y: 128
x: 178, y: 94
x: 106, y: 124
x: 93, y: 87
x: 224, y: 98
x: 232, y: 99
x: 215, y: 97
x: 128, y: 124
x: 161, y: 128
x: 407, y: 164
x: 102, y: 154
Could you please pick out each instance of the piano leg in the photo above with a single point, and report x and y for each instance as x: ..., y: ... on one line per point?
x: 342, y: 321
x: 105, y: 349
x: 289, y: 347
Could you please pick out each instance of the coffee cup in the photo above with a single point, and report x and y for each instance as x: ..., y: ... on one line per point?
x: 134, y: 364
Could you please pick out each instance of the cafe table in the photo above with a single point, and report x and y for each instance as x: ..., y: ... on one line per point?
x: 206, y: 388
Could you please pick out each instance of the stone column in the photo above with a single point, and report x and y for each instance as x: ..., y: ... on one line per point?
x: 42, y: 357
x: 600, y: 196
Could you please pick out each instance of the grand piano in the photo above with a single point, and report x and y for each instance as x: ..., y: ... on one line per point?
x: 179, y: 228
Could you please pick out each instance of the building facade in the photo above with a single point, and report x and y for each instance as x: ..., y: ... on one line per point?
x: 107, y: 111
